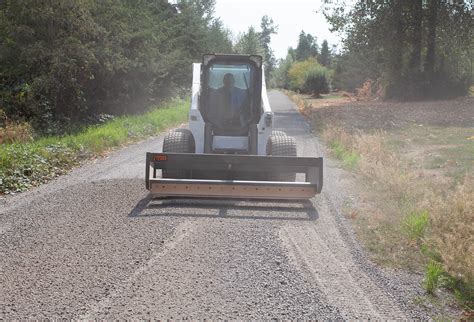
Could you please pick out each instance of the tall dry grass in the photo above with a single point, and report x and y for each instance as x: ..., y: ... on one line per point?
x: 15, y: 132
x: 450, y: 231
x: 303, y: 105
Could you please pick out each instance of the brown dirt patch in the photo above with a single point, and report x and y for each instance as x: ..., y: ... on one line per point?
x: 389, y: 115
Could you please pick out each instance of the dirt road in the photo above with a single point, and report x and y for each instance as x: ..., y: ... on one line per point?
x: 93, y: 245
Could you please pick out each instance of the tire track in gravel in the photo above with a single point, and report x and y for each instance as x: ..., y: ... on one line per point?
x: 329, y: 252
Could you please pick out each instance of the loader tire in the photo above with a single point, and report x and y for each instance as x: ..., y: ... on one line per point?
x: 284, y: 146
x: 278, y: 133
x: 180, y: 141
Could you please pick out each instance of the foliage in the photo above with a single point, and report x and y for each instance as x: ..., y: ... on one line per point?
x: 308, y: 77
x: 280, y: 74
x: 325, y: 57
x: 307, y: 47
x: 249, y: 43
x: 23, y: 165
x: 417, y: 49
x: 304, y: 69
x: 268, y: 28
x: 316, y: 81
x: 63, y: 61
x: 253, y: 42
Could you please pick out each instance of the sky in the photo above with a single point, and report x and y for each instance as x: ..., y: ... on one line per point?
x: 290, y: 16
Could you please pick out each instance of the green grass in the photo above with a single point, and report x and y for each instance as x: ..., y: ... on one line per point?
x: 23, y: 165
x: 415, y: 224
x: 350, y: 159
x: 433, y: 276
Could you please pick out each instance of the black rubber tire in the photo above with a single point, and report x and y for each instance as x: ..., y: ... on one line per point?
x: 285, y: 146
x: 180, y: 141
x: 278, y: 133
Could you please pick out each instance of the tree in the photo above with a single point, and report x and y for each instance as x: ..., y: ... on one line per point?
x: 307, y: 46
x: 325, y: 57
x: 249, y: 43
x: 417, y: 49
x: 219, y: 38
x: 280, y: 74
x: 64, y: 61
x: 431, y: 41
x: 267, y: 30
x: 416, y: 43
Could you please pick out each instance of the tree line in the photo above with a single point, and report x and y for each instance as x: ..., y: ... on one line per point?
x: 66, y: 62
x: 414, y: 49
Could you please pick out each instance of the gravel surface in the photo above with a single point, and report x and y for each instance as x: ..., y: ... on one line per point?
x: 92, y: 244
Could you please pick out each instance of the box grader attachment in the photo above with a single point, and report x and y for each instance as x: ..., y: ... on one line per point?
x: 230, y: 149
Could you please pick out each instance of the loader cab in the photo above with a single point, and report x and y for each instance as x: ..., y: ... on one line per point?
x: 230, y: 100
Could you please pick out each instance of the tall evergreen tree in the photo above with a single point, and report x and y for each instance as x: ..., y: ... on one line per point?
x: 307, y: 46
x: 325, y: 57
x: 268, y: 29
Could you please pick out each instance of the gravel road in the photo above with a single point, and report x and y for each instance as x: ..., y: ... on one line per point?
x: 91, y: 244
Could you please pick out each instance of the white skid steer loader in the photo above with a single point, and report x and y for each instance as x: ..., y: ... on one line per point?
x: 230, y: 150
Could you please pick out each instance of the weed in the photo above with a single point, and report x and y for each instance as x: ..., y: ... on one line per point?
x: 415, y: 224
x: 452, y: 230
x: 444, y: 222
x: 350, y: 159
x: 15, y: 132
x: 433, y: 276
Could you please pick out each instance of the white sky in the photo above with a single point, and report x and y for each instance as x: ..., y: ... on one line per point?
x: 290, y: 16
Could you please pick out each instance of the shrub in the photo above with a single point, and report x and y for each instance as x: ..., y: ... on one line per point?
x: 316, y: 81
x: 297, y: 74
x: 309, y: 77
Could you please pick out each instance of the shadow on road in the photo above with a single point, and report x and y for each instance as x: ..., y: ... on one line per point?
x: 300, y: 210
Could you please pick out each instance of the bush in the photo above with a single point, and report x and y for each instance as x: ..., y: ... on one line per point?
x: 297, y: 74
x: 316, y: 81
x: 309, y: 77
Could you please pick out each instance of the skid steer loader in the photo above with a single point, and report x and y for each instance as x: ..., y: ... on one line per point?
x: 230, y: 149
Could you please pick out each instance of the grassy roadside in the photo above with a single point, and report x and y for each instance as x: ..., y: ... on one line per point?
x: 23, y: 165
x: 415, y: 168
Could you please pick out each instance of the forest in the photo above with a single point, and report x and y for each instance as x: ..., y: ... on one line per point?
x: 66, y: 63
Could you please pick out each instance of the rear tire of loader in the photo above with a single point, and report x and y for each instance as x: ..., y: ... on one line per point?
x: 278, y: 133
x: 284, y: 146
x: 178, y: 141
